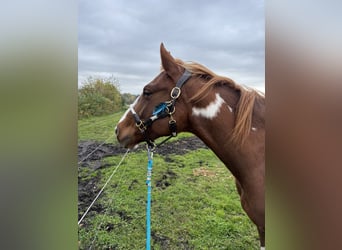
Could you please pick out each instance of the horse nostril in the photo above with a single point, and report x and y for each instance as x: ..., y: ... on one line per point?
x: 116, y: 130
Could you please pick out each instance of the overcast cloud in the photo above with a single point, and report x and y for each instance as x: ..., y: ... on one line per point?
x: 122, y: 38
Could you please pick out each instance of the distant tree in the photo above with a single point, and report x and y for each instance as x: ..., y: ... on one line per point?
x: 99, y: 96
x: 128, y: 98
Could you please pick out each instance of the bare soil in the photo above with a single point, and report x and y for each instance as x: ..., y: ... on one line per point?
x: 179, y: 147
x: 87, y: 189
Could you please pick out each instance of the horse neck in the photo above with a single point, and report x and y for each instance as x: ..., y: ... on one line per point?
x: 215, y: 131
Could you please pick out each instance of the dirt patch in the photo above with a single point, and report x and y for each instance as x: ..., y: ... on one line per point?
x: 161, y: 240
x: 124, y: 216
x: 166, y: 179
x: 165, y: 242
x: 179, y: 147
x: 203, y: 172
x: 91, y: 153
x: 88, y: 189
x: 133, y: 184
x: 108, y: 227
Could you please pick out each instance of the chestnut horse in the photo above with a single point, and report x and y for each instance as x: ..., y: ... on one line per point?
x: 228, y: 118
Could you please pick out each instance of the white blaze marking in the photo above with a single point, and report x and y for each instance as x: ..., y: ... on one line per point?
x: 254, y: 129
x: 211, y: 110
x: 127, y: 111
x: 124, y: 116
x: 230, y: 108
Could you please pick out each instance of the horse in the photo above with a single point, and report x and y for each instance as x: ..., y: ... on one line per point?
x: 229, y: 118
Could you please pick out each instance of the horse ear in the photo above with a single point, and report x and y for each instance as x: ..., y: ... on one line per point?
x: 169, y: 63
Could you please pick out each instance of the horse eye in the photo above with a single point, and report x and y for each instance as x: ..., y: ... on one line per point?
x: 147, y: 93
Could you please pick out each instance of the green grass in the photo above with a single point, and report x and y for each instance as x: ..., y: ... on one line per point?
x: 98, y: 128
x: 196, y: 205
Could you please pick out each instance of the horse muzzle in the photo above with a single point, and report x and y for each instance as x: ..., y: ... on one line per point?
x: 126, y: 138
x: 126, y: 141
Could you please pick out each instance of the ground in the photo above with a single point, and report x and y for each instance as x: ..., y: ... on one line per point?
x: 87, y: 189
x: 194, y: 202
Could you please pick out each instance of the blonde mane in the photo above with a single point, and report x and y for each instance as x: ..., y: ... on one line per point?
x: 245, y: 105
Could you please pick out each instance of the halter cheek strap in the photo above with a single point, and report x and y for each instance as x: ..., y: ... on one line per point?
x: 176, y: 91
x: 138, y: 122
x: 168, y: 110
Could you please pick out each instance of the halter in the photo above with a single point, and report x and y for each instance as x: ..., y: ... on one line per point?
x: 164, y: 109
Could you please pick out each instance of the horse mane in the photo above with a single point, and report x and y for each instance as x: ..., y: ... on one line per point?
x: 244, y: 108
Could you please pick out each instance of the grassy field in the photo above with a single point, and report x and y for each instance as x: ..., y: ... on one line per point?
x: 194, y: 200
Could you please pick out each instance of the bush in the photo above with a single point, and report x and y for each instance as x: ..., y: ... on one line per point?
x: 128, y: 98
x: 99, y: 96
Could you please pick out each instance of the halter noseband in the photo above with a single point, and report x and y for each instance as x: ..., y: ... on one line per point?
x: 162, y: 110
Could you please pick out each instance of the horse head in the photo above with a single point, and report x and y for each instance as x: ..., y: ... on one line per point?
x: 160, y: 110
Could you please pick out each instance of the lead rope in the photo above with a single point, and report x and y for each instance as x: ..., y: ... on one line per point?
x: 104, y: 186
x: 149, y: 194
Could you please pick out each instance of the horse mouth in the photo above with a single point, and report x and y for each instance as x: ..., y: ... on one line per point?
x: 127, y: 142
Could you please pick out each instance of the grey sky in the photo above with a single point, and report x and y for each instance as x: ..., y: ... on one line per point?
x: 122, y: 38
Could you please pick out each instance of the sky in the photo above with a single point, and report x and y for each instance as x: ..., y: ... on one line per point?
x: 121, y: 39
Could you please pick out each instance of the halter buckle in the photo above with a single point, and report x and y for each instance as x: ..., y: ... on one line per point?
x: 141, y: 126
x: 175, y: 92
x: 173, y: 127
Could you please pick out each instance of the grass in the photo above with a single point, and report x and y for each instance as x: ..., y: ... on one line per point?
x: 98, y: 128
x: 194, y: 201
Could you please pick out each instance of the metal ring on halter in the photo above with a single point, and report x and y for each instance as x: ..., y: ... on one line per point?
x: 172, y: 111
x: 151, y: 146
x: 170, y: 104
x: 177, y: 94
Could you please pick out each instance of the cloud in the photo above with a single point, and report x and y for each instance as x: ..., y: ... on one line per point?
x: 122, y: 38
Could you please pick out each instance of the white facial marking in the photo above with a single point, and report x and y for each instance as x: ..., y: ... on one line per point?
x: 211, y: 110
x: 124, y: 116
x: 127, y: 111
x: 230, y: 108
x: 254, y: 129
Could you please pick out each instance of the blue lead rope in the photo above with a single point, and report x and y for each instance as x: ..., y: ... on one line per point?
x: 149, y: 193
